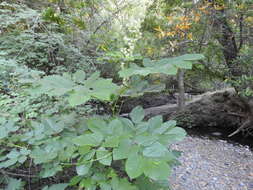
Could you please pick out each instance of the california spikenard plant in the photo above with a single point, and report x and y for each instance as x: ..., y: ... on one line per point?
x: 100, y: 152
x: 42, y: 134
x: 113, y: 153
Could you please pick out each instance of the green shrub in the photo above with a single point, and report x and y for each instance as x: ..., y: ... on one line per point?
x: 46, y: 88
x: 113, y: 153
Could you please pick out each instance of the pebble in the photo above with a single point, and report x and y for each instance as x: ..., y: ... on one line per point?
x: 216, y: 134
x: 209, y: 164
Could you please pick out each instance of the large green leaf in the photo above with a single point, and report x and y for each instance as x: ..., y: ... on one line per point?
x: 122, y: 184
x: 111, y: 142
x: 14, y: 184
x: 88, y: 183
x: 79, y: 76
x: 184, y: 65
x: 50, y: 170
x: 83, y: 169
x: 134, y: 165
x: 52, y: 126
x: 88, y: 139
x: 105, y: 186
x: 90, y: 155
x: 77, y: 89
x: 8, y: 163
x: 137, y: 87
x: 7, y: 128
x: 137, y: 114
x: 192, y: 57
x: 176, y: 134
x: 155, y: 150
x: 145, y: 139
x: 116, y: 126
x: 155, y: 122
x: 75, y: 180
x: 104, y: 156
x: 144, y: 71
x: 48, y: 155
x: 167, y: 66
x: 164, y: 127
x: 123, y: 150
x: 84, y: 149
x: 60, y: 186
x: 78, y: 96
x: 144, y: 183
x: 127, y: 125
x: 141, y: 127
x: 55, y: 85
x: 156, y: 170
x: 98, y: 125
x: 183, y: 61
x: 102, y: 89
x: 3, y: 132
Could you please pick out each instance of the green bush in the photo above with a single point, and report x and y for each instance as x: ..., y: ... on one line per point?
x: 107, y: 153
x: 113, y: 153
x: 47, y: 86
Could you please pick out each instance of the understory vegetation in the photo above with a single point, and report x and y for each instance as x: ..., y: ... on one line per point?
x: 66, y: 66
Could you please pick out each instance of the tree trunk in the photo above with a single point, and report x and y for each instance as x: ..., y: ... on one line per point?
x: 181, y: 91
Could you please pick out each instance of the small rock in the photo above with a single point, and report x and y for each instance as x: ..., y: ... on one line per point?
x: 203, y: 183
x: 216, y: 134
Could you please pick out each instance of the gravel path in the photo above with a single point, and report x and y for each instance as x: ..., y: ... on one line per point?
x: 212, y: 165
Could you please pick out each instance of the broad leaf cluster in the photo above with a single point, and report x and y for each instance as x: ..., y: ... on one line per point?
x: 77, y: 88
x: 168, y: 66
x: 47, y: 82
x: 104, y: 152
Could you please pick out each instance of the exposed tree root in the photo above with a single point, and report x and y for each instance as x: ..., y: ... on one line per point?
x: 246, y: 128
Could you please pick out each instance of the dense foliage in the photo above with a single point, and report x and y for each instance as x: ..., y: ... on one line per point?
x: 64, y: 65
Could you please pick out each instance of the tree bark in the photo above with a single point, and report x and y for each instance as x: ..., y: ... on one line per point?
x: 181, y: 90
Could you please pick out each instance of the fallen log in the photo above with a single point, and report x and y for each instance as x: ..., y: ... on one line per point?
x: 222, y: 110
x: 218, y: 109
